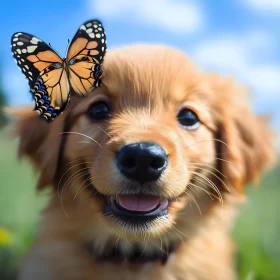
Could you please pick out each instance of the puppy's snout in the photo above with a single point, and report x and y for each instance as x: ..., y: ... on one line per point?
x: 142, y: 162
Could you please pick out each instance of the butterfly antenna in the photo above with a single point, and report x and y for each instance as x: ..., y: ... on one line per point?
x: 67, y: 46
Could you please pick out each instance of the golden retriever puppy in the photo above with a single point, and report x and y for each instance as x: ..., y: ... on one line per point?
x: 146, y: 172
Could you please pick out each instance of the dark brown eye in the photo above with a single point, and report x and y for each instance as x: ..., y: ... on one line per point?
x: 99, y: 111
x: 188, y: 119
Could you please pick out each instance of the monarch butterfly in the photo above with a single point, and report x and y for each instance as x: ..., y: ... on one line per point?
x: 51, y: 77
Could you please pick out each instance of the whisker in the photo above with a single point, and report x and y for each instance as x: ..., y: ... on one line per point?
x: 58, y: 186
x: 72, y: 161
x: 216, y: 177
x: 203, y: 189
x: 161, y: 245
x: 76, y: 177
x: 212, y: 185
x: 180, y: 233
x: 221, y: 159
x: 192, y: 189
x: 117, y: 240
x: 143, y: 251
x: 220, y: 141
x: 161, y: 249
x: 197, y: 180
x: 105, y: 132
x: 195, y: 202
x: 85, y: 187
x: 125, y: 237
x: 209, y: 166
x: 84, y: 142
x: 81, y: 187
x: 72, y: 177
x: 206, y: 140
x: 78, y: 133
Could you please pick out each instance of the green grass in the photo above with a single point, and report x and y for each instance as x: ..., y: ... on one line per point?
x: 257, y: 231
x: 20, y: 206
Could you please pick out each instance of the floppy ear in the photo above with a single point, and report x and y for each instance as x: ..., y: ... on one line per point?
x: 248, y: 141
x: 41, y: 142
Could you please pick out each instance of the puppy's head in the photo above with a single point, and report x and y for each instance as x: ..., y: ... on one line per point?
x: 158, y: 139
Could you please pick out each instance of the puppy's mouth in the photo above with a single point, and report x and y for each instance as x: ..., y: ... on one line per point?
x: 136, y: 208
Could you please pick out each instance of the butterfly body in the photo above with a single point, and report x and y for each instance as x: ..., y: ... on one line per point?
x: 51, y: 77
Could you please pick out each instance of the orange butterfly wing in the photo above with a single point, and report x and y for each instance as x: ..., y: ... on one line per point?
x: 85, y: 56
x: 45, y: 72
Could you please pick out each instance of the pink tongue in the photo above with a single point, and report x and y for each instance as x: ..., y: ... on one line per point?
x: 138, y: 203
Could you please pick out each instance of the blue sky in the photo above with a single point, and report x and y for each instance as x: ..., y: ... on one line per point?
x: 240, y: 38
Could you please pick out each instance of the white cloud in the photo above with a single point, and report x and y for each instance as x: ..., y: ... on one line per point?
x: 223, y: 54
x: 264, y: 5
x: 266, y: 78
x: 171, y: 15
x: 241, y: 57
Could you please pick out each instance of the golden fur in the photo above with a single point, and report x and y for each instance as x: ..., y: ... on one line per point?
x: 207, y: 171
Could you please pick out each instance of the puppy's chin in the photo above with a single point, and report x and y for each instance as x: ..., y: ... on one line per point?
x: 140, y: 213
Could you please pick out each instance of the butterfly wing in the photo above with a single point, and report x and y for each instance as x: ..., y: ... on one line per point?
x: 44, y: 70
x: 85, y: 55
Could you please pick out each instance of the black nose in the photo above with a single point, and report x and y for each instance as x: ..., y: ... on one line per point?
x: 142, y: 162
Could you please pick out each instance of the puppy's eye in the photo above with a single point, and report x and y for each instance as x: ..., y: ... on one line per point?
x: 99, y: 111
x: 188, y: 119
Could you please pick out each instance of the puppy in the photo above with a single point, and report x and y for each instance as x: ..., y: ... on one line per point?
x: 146, y: 172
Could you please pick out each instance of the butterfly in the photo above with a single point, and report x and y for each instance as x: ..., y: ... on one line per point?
x: 51, y: 77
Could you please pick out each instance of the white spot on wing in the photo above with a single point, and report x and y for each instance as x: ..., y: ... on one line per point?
x: 31, y: 49
x: 91, y: 35
x: 98, y: 35
x: 15, y: 39
x: 18, y: 51
x: 34, y: 40
x: 82, y: 27
x: 19, y: 43
x: 89, y: 30
x: 23, y: 50
x: 89, y: 24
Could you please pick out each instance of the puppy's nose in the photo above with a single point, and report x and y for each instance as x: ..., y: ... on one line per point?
x: 142, y: 162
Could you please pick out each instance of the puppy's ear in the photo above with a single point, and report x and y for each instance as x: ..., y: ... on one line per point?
x: 40, y: 141
x: 247, y: 146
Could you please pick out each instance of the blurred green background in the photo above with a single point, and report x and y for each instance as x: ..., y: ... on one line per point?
x: 257, y: 230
